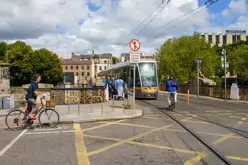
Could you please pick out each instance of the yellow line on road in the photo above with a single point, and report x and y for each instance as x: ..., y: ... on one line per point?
x: 197, y: 122
x: 104, y: 125
x: 196, y: 159
x: 237, y: 158
x: 124, y: 141
x: 127, y: 124
x: 144, y: 144
x: 82, y: 156
x: 222, y: 139
x: 146, y: 117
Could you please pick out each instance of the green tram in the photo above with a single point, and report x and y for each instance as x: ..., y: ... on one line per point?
x: 146, y: 77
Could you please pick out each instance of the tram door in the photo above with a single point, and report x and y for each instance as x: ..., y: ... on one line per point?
x: 130, y: 78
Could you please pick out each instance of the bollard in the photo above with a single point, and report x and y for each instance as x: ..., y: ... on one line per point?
x: 188, y: 97
x: 113, y: 101
x: 69, y: 109
x: 101, y: 102
x: 78, y: 106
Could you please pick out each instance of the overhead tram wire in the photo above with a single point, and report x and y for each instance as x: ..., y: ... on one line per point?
x: 153, y: 17
x: 206, y: 6
x: 147, y: 17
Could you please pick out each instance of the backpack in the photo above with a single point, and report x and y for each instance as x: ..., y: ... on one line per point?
x: 174, y: 83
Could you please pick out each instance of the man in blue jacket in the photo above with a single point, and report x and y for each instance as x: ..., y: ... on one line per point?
x: 172, y: 87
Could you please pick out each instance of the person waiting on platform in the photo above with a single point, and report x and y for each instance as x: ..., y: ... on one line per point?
x: 120, y: 86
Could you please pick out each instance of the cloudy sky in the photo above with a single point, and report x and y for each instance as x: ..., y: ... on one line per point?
x: 65, y: 26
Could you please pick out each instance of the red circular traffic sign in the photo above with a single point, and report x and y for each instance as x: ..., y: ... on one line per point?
x: 134, y: 45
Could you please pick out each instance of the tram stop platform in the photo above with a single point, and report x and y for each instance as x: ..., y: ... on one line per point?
x: 76, y: 113
x: 95, y: 112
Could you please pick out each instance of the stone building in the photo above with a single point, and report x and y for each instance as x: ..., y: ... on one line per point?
x: 99, y: 62
x: 76, y: 71
x: 230, y: 37
x: 79, y: 68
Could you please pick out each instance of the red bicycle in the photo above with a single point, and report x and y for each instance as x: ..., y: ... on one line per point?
x: 21, y: 121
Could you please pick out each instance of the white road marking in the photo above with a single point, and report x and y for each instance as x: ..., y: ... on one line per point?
x: 12, y: 142
x: 38, y: 133
x: 48, y: 129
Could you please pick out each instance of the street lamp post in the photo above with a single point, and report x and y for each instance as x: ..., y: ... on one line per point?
x: 225, y: 65
x: 198, y: 62
x: 96, y: 61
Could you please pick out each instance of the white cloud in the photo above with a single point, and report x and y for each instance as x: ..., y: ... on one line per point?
x: 236, y: 7
x: 106, y: 30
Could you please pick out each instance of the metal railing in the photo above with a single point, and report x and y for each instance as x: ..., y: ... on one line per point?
x: 69, y: 107
x: 115, y: 97
x: 101, y: 103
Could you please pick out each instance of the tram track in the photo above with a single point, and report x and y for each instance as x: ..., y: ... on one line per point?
x: 227, y: 109
x: 210, y: 149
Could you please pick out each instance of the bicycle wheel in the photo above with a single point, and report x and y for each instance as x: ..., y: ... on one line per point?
x: 46, y: 118
x: 16, y: 120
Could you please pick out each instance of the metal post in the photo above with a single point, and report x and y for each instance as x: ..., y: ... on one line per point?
x: 225, y: 72
x: 198, y: 74
x: 67, y: 96
x: 224, y: 58
x: 134, y: 67
x: 78, y: 106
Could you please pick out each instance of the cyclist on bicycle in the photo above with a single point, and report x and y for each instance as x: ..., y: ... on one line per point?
x: 31, y: 96
x: 172, y: 87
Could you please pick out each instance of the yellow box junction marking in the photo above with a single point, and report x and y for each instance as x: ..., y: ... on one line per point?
x: 104, y: 125
x: 124, y: 141
x: 143, y: 144
x: 196, y: 159
x: 237, y: 158
x: 82, y: 156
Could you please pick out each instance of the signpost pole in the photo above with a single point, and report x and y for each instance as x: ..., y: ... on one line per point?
x: 134, y: 67
x: 134, y: 59
x: 224, y: 59
x: 225, y: 72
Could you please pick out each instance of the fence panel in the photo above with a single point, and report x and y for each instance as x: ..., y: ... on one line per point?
x: 65, y: 95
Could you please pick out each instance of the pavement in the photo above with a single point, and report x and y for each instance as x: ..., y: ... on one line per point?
x: 152, y: 139
x: 86, y: 112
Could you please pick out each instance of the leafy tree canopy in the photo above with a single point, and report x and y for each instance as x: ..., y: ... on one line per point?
x: 177, y: 58
x: 25, y: 62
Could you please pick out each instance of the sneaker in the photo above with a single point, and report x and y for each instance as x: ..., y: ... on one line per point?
x: 32, y: 117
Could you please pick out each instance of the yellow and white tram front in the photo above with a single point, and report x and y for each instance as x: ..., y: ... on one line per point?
x: 146, y: 80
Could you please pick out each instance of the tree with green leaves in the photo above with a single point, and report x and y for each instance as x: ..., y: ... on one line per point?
x: 24, y: 63
x: 115, y: 60
x: 3, y: 51
x: 176, y: 58
x: 238, y: 61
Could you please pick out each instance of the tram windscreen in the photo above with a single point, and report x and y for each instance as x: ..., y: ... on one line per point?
x: 148, y: 74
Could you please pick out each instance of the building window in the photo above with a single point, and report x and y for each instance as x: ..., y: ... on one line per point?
x: 224, y: 39
x: 210, y: 38
x: 77, y: 74
x: 217, y: 39
x: 100, y: 67
x: 66, y: 67
x: 82, y: 67
x: 77, y: 67
x: 85, y: 78
x: 238, y: 37
x: 105, y: 61
x: 71, y: 67
x: 234, y: 39
x: 88, y: 73
x: 105, y: 67
x: 82, y: 73
x: 88, y: 67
